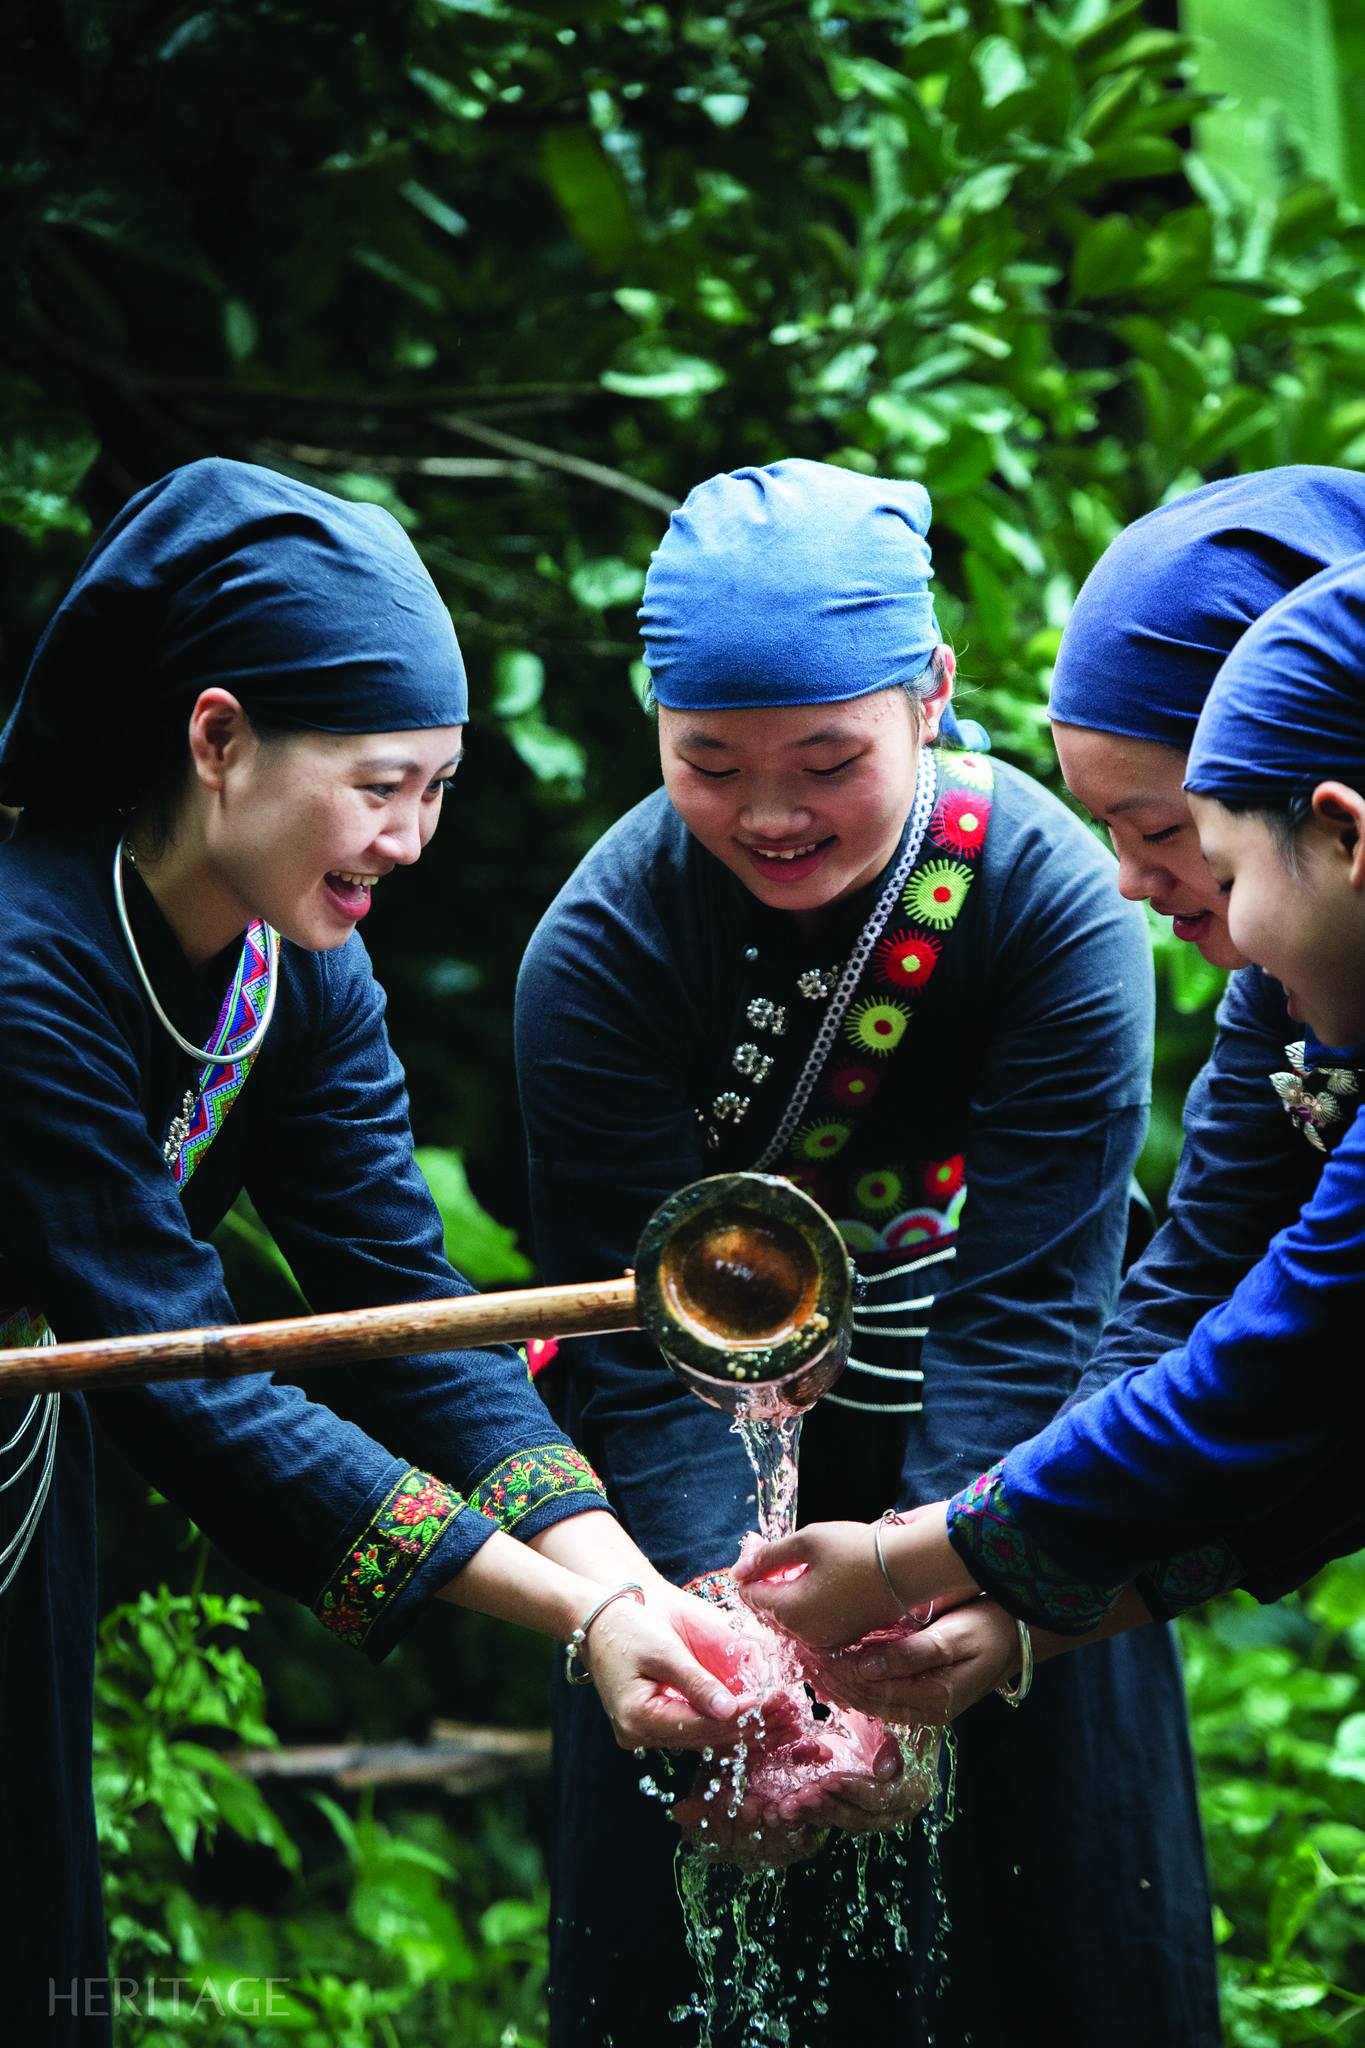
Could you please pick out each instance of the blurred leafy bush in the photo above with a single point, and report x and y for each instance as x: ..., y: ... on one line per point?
x: 525, y: 273
x: 382, y: 1929
x: 1277, y: 1701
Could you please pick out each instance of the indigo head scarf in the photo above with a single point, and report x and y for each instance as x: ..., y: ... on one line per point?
x: 795, y: 584
x: 1159, y: 613
x: 1288, y: 708
x: 314, y: 612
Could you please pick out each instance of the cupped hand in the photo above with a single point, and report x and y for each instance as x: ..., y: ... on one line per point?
x: 673, y: 1674
x: 825, y: 1586
x: 923, y: 1677
x: 822, y: 1584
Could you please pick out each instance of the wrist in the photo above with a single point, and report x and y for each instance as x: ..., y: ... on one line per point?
x: 922, y: 1562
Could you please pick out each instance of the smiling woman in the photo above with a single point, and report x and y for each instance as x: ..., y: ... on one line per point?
x: 835, y: 948
x: 249, y: 707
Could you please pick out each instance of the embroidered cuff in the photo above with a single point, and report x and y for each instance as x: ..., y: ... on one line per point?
x: 382, y: 1559
x: 535, y: 1479
x: 1188, y: 1580
x: 986, y: 1534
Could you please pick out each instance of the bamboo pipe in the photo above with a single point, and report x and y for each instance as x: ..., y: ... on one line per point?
x: 348, y: 1337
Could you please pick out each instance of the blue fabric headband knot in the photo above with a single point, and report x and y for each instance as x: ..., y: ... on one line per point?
x: 315, y: 612
x: 1288, y: 708
x: 800, y: 583
x: 1158, y: 615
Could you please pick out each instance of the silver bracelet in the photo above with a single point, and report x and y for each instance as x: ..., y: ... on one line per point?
x: 891, y: 1515
x: 573, y: 1649
x: 1015, y: 1695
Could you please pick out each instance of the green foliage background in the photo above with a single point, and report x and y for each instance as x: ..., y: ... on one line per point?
x: 524, y: 274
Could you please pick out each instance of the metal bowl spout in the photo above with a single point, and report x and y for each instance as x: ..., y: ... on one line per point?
x: 746, y: 1288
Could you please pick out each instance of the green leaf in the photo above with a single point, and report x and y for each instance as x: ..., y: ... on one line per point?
x: 606, y: 583
x: 1108, y: 258
x: 1348, y: 1750
x: 44, y: 457
x: 589, y: 192
x: 518, y: 682
x: 485, y: 1251
x: 435, y: 209
x: 1000, y: 68
x: 650, y: 368
x: 553, y: 757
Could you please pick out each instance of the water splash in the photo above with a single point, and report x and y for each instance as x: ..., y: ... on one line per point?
x: 750, y: 1990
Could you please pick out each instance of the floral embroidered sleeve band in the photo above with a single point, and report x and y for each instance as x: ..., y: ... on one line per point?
x: 535, y: 1479
x: 380, y: 1562
x: 990, y: 1536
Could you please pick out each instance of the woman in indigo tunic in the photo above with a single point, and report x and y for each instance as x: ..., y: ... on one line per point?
x: 1123, y: 1487
x: 832, y: 948
x: 254, y: 693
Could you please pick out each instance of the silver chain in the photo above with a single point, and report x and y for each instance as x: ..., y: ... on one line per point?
x: 202, y: 1053
x: 926, y: 790
x: 48, y: 1409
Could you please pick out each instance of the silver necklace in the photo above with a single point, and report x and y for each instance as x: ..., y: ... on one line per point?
x: 187, y: 1046
x: 926, y: 790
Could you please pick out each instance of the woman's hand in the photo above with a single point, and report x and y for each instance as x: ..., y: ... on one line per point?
x: 825, y: 1586
x: 671, y: 1674
x: 927, y: 1676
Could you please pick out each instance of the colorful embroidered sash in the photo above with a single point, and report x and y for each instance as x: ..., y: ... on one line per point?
x: 896, y: 1204
x: 205, y: 1108
x: 884, y: 1208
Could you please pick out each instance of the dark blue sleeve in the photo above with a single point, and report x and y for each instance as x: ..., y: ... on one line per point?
x: 1257, y: 1414
x: 603, y: 1022
x: 336, y: 1183
x: 1058, y: 1113
x: 306, y: 1500
x: 1244, y: 1173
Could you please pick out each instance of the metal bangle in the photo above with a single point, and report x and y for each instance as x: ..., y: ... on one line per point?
x: 1015, y: 1695
x: 573, y: 1649
x: 891, y: 1515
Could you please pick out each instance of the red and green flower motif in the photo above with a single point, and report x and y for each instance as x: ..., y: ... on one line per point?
x: 916, y: 1226
x: 854, y: 1086
x: 936, y: 892
x: 387, y: 1553
x: 877, y: 1025
x: 528, y: 1479
x: 943, y: 1177
x: 960, y: 819
x: 879, y: 1192
x: 824, y: 1139
x: 907, y: 959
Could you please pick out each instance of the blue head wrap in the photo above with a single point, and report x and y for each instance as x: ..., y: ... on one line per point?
x: 795, y: 584
x: 1288, y: 708
x: 316, y: 613
x: 1157, y: 616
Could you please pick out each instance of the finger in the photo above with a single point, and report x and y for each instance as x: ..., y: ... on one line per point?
x: 888, y: 1764
x: 899, y: 1656
x: 651, y: 1717
x: 706, y: 1694
x: 766, y: 1558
